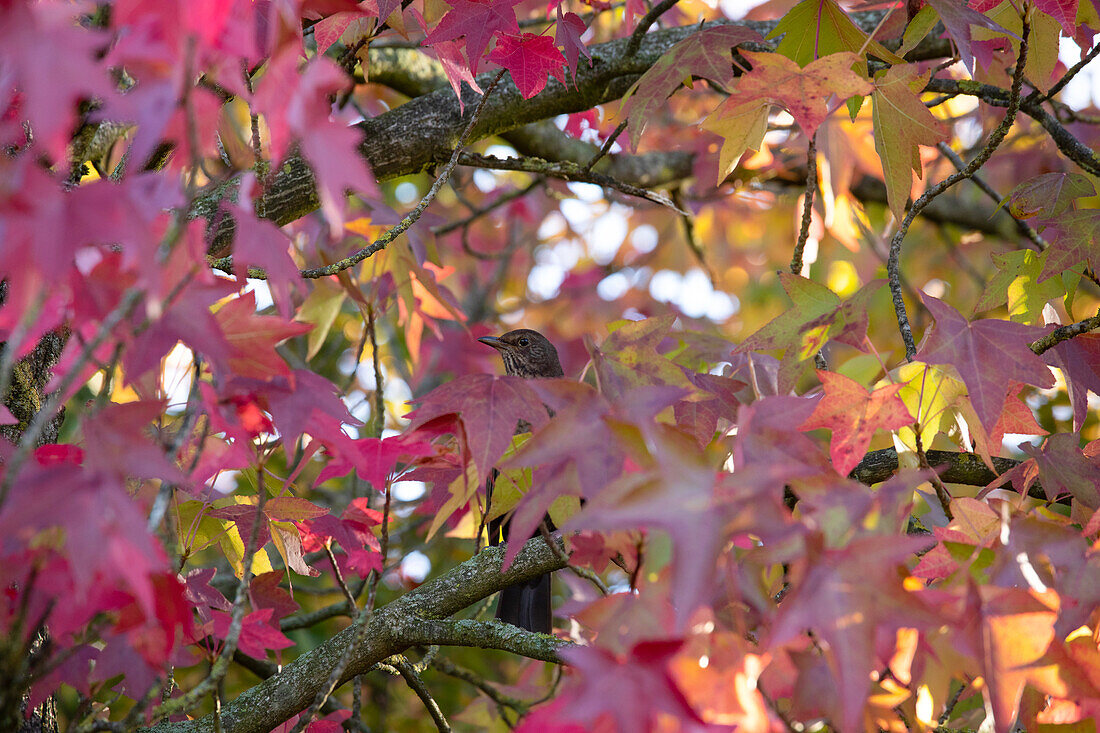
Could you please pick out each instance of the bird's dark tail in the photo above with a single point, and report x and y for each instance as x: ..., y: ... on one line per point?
x: 527, y: 605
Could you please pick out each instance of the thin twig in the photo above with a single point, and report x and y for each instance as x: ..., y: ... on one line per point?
x: 1064, y: 333
x: 190, y: 414
x: 643, y: 25
x: 412, y: 679
x: 378, y: 416
x: 941, y: 491
x: 606, y: 147
x: 220, y: 667
x: 692, y: 241
x: 807, y: 205
x: 1022, y: 226
x: 413, y: 216
x: 566, y: 171
x: 499, y: 201
x: 348, y: 596
x: 995, y: 139
x: 1070, y: 73
x: 580, y: 572
x: 448, y: 667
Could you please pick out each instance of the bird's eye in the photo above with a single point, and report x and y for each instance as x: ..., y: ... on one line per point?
x: 524, y: 341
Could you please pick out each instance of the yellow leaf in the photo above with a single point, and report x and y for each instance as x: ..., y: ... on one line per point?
x: 931, y: 394
x: 739, y: 133
x: 363, y: 227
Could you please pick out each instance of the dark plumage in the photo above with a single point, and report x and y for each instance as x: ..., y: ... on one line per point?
x: 530, y: 355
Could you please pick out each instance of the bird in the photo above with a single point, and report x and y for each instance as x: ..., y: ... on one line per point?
x: 528, y: 354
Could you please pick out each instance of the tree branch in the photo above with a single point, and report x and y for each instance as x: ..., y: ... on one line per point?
x: 414, y: 618
x: 424, y: 131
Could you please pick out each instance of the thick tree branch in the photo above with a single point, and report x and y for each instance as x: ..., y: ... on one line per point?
x: 424, y: 131
x: 415, y: 618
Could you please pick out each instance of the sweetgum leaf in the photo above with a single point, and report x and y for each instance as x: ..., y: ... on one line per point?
x: 818, y: 315
x: 478, y: 22
x: 1074, y: 238
x: 252, y: 338
x: 1079, y: 360
x: 628, y: 357
x: 1064, y: 469
x: 490, y: 407
x: 531, y: 59
x: 817, y: 28
x: 803, y: 91
x: 705, y: 54
x: 957, y: 19
x: 848, y: 596
x: 853, y: 415
x: 1049, y: 194
x: 989, y: 354
x: 1017, y: 283
x: 902, y: 124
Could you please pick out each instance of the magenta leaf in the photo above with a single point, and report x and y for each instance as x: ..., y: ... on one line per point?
x: 531, y: 59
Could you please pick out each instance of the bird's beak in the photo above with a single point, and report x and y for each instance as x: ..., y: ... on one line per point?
x: 492, y: 341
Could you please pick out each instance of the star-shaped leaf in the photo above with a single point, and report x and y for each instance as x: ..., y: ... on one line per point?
x: 1017, y: 283
x: 477, y: 21
x: 628, y: 357
x: 814, y: 29
x: 1079, y: 360
x: 705, y: 54
x: 1064, y: 469
x: 804, y: 92
x: 853, y: 415
x: 252, y: 338
x: 1074, y: 238
x: 490, y: 406
x: 740, y: 131
x: 818, y: 315
x: 989, y: 354
x: 848, y: 597
x: 1049, y: 194
x: 531, y: 59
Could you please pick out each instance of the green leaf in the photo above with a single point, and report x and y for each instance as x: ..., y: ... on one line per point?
x: 817, y: 28
x: 1017, y: 284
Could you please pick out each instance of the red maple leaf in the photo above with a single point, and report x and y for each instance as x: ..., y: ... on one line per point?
x: 1074, y: 238
x: 477, y: 20
x: 531, y: 59
x: 1079, y: 360
x: 989, y: 355
x: 804, y: 92
x: 257, y: 633
x: 1065, y: 469
x: 252, y: 338
x: 853, y: 415
x: 567, y: 34
x: 376, y: 458
x: 490, y: 408
x: 352, y: 531
x: 677, y: 496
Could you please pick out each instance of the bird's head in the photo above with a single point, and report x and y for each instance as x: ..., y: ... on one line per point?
x: 526, y: 353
